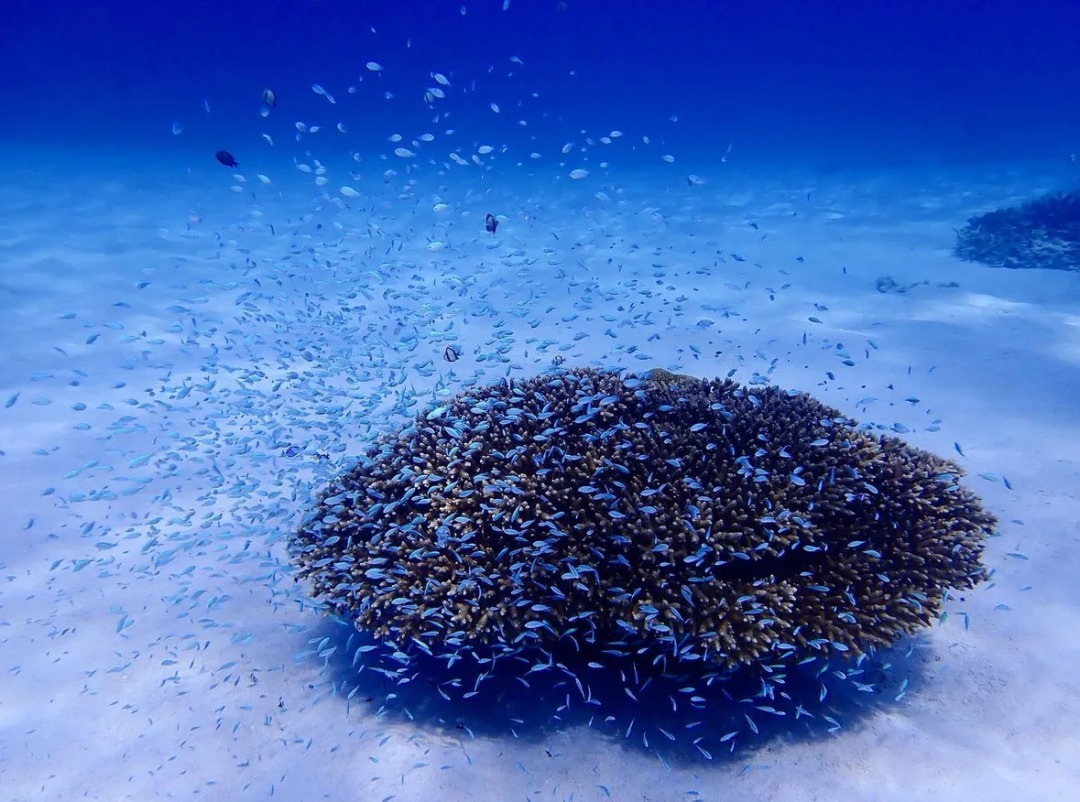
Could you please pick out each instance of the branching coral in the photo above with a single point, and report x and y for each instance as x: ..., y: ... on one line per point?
x: 699, y: 519
x: 1043, y: 233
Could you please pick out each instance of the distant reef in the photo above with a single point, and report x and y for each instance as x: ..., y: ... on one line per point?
x: 1043, y: 233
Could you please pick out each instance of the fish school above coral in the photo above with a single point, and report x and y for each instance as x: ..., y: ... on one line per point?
x: 700, y: 519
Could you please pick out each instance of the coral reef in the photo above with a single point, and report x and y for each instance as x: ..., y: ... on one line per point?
x: 699, y: 520
x: 1042, y: 233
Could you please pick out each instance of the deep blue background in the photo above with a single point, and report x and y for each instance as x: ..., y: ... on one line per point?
x: 830, y: 83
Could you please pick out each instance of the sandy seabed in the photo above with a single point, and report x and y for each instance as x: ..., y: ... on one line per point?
x: 170, y: 333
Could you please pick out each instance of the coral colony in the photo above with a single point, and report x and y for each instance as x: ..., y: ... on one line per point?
x: 1042, y: 233
x: 667, y: 525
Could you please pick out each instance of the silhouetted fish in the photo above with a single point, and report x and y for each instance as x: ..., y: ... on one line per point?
x: 226, y: 158
x: 269, y: 97
x: 490, y: 223
x: 451, y: 354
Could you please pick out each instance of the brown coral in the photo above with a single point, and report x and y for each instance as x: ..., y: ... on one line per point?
x: 703, y: 519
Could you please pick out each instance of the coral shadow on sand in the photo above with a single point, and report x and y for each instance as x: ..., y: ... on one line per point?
x: 686, y: 716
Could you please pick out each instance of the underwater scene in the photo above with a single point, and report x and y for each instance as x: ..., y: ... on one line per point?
x: 539, y: 400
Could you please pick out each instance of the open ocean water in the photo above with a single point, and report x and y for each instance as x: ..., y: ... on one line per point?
x: 353, y: 437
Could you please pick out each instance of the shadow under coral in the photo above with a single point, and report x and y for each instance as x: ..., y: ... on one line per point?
x: 687, y: 712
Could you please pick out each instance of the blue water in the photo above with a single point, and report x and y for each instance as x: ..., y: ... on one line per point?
x: 767, y: 190
x: 830, y: 84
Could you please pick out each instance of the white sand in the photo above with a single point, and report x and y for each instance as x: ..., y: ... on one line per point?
x: 198, y: 693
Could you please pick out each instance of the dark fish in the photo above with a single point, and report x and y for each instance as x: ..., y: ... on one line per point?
x: 490, y: 223
x: 292, y: 451
x: 451, y: 354
x: 226, y: 158
x: 269, y: 97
